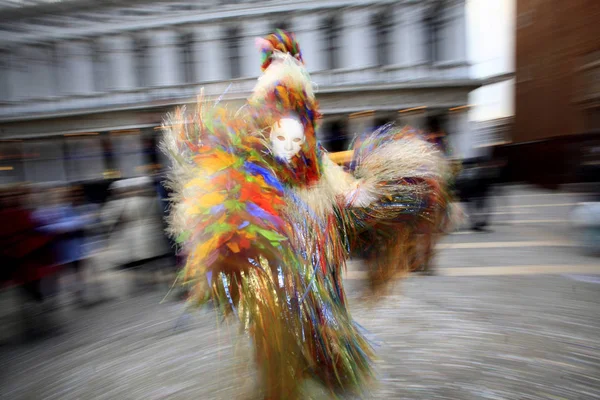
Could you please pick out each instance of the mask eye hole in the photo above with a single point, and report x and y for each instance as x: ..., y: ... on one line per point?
x: 297, y: 140
x: 280, y: 138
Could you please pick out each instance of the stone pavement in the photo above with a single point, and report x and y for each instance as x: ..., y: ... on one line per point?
x: 533, y: 337
x: 513, y: 314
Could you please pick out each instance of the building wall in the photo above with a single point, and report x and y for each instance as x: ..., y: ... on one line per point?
x: 557, y: 68
x: 97, y: 80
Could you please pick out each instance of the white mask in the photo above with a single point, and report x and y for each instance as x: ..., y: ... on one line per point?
x: 287, y: 138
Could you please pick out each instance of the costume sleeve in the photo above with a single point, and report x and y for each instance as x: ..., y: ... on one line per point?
x: 339, y: 181
x: 408, y: 180
x: 351, y: 191
x: 227, y: 206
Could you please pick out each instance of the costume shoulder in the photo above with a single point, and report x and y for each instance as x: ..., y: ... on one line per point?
x: 227, y: 203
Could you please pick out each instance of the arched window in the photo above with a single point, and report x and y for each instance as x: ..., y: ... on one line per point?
x: 234, y: 56
x: 332, y: 29
x: 142, y: 61
x: 433, y: 31
x: 382, y: 32
x: 281, y: 24
x: 186, y: 50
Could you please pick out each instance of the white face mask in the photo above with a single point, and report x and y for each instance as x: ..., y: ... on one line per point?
x: 287, y: 138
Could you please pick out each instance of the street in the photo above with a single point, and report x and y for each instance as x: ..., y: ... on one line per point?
x: 510, y: 314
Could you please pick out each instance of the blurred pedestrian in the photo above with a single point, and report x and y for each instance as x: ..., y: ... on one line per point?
x: 91, y: 232
x: 474, y: 184
x: 27, y: 259
x: 134, y: 219
x: 58, y: 217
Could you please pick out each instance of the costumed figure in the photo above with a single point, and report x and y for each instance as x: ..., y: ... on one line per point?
x: 268, y: 220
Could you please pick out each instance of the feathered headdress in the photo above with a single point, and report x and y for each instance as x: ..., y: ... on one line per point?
x: 285, y: 88
x: 281, y: 41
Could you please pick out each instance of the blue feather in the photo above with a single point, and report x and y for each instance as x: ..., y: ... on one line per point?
x: 217, y: 209
x: 268, y: 176
x: 258, y: 212
x: 243, y: 225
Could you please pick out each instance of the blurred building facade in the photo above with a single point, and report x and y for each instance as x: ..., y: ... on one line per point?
x: 557, y: 94
x: 557, y: 68
x: 84, y: 84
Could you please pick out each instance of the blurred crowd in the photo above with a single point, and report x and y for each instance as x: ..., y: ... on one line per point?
x: 56, y: 240
x: 52, y: 237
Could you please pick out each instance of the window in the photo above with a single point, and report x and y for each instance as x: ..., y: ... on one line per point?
x: 335, y: 136
x: 142, y: 65
x: 332, y: 29
x: 186, y: 46
x: 382, y: 28
x: 283, y: 25
x: 233, y: 43
x: 433, y: 30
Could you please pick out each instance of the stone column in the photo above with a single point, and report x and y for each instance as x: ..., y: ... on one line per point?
x: 358, y: 47
x: 41, y: 77
x: 27, y: 72
x: 120, y: 61
x: 401, y: 35
x: 251, y: 59
x: 5, y: 75
x: 415, y: 33
x: 460, y: 138
x: 32, y: 71
x: 459, y: 32
x: 62, y: 61
x: 18, y: 75
x: 211, y: 52
x: 22, y: 74
x: 445, y: 38
x: 307, y: 29
x: 165, y: 59
x: 100, y: 66
x: 78, y: 67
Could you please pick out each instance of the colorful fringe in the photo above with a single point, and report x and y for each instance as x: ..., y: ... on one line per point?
x: 273, y: 270
x: 410, y: 177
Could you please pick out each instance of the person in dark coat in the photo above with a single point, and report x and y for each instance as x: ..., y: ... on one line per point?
x: 27, y: 254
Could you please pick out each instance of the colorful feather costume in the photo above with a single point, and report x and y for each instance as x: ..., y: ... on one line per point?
x: 268, y: 240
